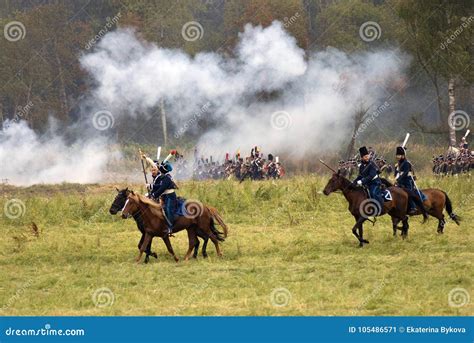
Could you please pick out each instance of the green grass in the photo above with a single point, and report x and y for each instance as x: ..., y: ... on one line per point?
x: 283, y: 235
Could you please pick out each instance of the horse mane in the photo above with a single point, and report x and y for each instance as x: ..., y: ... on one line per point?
x: 345, y: 179
x: 386, y: 182
x: 149, y: 202
x: 154, y: 206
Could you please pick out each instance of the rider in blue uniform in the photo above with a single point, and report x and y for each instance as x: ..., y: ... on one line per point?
x: 404, y: 177
x: 164, y: 187
x: 369, y: 176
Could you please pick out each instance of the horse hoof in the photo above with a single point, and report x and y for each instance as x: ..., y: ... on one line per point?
x: 154, y: 255
x: 204, y: 256
x: 365, y: 241
x: 146, y: 260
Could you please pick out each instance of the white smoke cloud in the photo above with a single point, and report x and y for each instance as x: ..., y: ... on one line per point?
x: 314, y: 97
x: 269, y: 93
x: 27, y: 158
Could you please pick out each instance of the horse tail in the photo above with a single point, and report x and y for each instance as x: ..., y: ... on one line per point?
x: 412, y: 195
x: 449, y: 208
x: 215, y: 215
x: 216, y: 232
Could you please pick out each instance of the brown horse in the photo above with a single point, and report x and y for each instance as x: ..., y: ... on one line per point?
x: 436, y: 201
x: 119, y: 203
x: 199, y: 217
x: 361, y: 207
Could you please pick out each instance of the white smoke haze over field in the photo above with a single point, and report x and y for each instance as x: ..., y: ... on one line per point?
x: 269, y: 94
x: 27, y: 158
x: 314, y: 96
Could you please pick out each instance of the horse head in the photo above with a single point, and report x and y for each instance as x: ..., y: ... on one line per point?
x: 336, y: 182
x: 119, y: 201
x: 131, y: 205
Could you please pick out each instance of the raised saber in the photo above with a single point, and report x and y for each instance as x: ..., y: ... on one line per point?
x: 143, y: 166
x: 158, y: 153
x: 406, y: 140
x: 467, y: 133
x: 412, y: 178
x: 327, y: 166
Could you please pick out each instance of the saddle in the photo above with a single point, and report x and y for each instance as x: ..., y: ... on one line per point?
x: 423, y: 196
x: 180, y: 207
x: 385, y: 192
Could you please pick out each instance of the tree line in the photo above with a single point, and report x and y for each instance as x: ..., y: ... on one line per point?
x: 41, y: 76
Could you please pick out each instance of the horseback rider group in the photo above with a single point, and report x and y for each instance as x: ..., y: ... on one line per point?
x: 369, y: 176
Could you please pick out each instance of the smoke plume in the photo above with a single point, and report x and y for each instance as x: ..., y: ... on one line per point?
x: 269, y: 93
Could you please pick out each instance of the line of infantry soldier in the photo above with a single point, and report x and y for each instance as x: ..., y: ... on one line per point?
x: 455, y: 161
x: 369, y: 175
x: 253, y: 167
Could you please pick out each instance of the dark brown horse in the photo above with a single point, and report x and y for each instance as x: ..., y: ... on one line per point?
x: 119, y: 203
x: 361, y: 207
x: 201, y: 218
x: 117, y: 206
x: 436, y: 201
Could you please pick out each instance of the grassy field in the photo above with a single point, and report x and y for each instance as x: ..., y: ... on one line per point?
x: 290, y: 251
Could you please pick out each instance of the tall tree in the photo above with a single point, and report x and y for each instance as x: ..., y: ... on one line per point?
x: 440, y: 37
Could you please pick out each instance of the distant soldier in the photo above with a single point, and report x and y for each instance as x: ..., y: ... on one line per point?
x: 404, y: 176
x: 271, y: 168
x: 464, y: 146
x: 369, y: 176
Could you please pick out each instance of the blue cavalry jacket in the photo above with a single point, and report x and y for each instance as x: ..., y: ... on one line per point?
x: 368, y: 174
x: 403, y: 170
x: 162, y: 183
